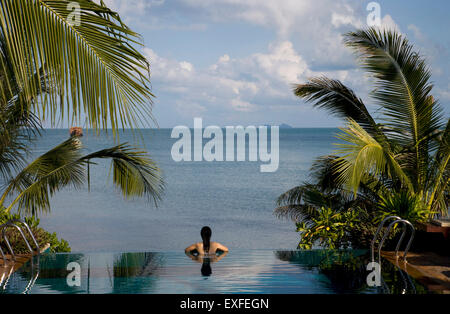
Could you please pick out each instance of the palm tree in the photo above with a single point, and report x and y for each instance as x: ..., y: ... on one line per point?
x: 50, y: 67
x: 90, y: 63
x: 398, y: 164
x: 31, y: 185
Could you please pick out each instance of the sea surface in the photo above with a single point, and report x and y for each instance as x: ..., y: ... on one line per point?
x: 234, y: 198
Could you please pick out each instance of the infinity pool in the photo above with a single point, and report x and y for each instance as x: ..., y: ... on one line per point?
x: 258, y: 271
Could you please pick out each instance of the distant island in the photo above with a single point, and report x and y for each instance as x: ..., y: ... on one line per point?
x: 281, y: 126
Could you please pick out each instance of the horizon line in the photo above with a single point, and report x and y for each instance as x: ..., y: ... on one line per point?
x: 163, y: 128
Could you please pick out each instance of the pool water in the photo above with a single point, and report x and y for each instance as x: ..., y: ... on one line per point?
x: 240, y: 271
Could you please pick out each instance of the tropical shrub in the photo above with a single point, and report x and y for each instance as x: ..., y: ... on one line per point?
x: 327, y: 228
x: 402, y: 204
x: 42, y: 236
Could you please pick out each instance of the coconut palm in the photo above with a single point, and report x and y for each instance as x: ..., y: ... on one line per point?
x: 30, y: 185
x: 87, y: 56
x: 50, y: 67
x: 398, y: 160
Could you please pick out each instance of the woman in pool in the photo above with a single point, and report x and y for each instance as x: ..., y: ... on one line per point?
x: 206, y: 247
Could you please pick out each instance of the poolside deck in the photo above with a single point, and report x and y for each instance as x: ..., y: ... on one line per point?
x: 430, y: 269
x: 439, y: 227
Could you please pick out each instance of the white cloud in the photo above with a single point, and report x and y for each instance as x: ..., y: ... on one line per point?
x: 217, y: 84
x: 186, y: 66
x: 314, y: 26
x: 240, y: 85
x: 416, y: 31
x: 283, y: 63
x: 224, y: 58
x: 130, y: 8
x: 283, y: 15
x: 167, y: 69
x: 189, y: 109
x: 388, y: 23
x: 308, y: 42
x: 241, y: 105
x: 339, y: 20
x: 138, y: 13
x: 443, y: 93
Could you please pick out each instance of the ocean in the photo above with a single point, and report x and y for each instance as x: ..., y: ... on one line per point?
x: 234, y: 198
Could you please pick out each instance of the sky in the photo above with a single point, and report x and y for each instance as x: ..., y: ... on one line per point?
x: 234, y: 62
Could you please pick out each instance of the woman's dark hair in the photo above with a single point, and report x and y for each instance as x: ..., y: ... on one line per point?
x: 206, y: 236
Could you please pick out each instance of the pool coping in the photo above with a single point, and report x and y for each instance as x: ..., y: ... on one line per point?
x: 427, y: 268
x: 21, y: 259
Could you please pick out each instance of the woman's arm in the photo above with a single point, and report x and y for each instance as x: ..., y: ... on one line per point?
x: 195, y: 258
x: 219, y: 257
x: 190, y: 248
x: 221, y: 247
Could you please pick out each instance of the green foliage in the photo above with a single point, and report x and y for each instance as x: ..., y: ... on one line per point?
x: 57, y: 245
x: 30, y: 185
x: 92, y: 69
x: 134, y: 173
x: 89, y: 73
x: 329, y: 229
x: 42, y: 236
x: 345, y: 271
x: 402, y: 204
x: 397, y: 166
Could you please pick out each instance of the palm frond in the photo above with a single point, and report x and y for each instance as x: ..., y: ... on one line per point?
x: 296, y: 213
x: 18, y: 126
x: 338, y: 99
x: 292, y: 196
x: 17, y: 129
x: 50, y: 172
x: 439, y: 176
x: 300, y: 203
x: 134, y: 173
x: 93, y: 67
x: 402, y: 88
x: 362, y: 155
x: 324, y: 173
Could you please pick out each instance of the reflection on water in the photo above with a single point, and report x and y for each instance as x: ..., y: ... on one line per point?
x: 137, y: 264
x: 206, y: 267
x: 259, y: 271
x: 206, y: 261
x: 347, y: 272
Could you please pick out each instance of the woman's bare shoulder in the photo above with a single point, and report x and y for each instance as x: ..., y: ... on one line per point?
x: 219, y: 246
x: 196, y: 246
